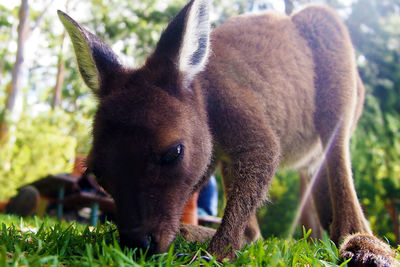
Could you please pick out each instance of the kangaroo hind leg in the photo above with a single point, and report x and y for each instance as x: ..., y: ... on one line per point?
x: 336, y: 109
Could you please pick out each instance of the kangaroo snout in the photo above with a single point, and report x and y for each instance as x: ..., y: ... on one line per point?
x: 150, y: 236
x: 144, y: 241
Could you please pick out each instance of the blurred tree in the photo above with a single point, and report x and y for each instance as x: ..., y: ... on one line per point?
x: 375, y: 29
x: 277, y: 216
x: 60, y: 76
x: 6, y: 35
x: 39, y: 148
x: 15, y: 85
x: 14, y: 88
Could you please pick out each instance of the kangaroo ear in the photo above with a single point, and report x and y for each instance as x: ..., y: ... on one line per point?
x: 186, y: 40
x: 96, y: 61
x: 193, y: 52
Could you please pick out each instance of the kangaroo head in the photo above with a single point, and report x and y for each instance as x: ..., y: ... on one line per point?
x: 151, y: 141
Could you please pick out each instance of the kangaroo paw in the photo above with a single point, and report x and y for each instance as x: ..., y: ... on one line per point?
x: 221, y: 249
x: 194, y: 233
x: 367, y: 250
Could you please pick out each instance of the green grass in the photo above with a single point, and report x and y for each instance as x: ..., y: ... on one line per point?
x: 37, y: 242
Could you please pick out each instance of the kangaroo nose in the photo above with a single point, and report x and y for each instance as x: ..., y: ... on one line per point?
x: 152, y: 246
x: 146, y: 243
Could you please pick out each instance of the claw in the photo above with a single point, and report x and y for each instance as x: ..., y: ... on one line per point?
x: 367, y: 250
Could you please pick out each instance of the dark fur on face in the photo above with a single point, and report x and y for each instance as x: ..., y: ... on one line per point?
x: 133, y: 130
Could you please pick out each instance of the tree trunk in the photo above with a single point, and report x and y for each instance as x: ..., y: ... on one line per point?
x: 289, y: 7
x: 57, y: 88
x: 60, y: 77
x: 15, y: 86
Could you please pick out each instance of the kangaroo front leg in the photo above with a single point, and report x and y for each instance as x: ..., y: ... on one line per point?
x: 252, y: 231
x: 253, y: 166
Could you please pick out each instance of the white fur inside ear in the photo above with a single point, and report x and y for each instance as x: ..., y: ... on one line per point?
x: 194, y: 50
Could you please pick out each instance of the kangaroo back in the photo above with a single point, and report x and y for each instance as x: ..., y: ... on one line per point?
x: 263, y: 67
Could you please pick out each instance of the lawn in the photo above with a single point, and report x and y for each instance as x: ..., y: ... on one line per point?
x: 46, y: 242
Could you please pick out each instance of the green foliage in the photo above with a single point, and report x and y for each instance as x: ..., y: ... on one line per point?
x: 36, y: 242
x: 374, y: 27
x: 6, y: 30
x: 38, y: 147
x: 276, y: 216
x: 278, y: 252
x: 132, y: 27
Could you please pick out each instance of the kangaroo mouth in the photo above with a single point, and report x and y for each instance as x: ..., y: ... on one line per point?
x: 153, y: 240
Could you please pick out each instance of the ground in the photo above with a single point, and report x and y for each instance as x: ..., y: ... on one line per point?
x: 38, y: 242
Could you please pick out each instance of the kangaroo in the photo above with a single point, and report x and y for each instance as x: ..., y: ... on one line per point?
x: 257, y: 93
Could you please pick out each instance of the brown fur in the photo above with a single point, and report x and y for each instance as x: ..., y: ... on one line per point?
x: 277, y: 91
x: 193, y: 233
x: 366, y: 250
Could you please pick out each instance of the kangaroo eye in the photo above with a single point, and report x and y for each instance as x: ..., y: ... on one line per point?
x: 173, y: 154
